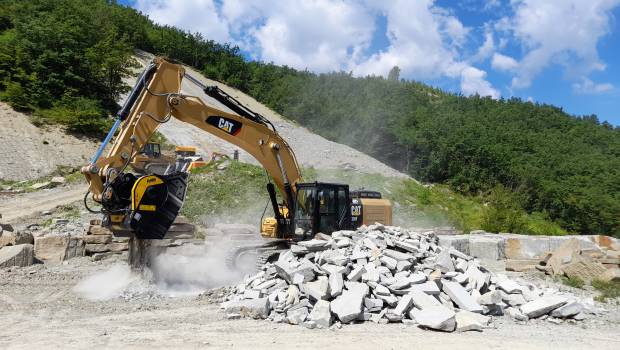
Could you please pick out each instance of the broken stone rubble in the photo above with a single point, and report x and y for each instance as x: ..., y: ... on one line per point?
x: 389, y: 274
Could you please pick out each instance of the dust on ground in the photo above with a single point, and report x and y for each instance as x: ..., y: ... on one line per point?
x: 40, y: 307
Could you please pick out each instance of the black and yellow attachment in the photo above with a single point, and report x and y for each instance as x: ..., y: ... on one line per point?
x: 155, y: 202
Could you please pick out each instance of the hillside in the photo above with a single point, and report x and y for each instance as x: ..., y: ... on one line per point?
x: 311, y: 150
x: 511, y: 154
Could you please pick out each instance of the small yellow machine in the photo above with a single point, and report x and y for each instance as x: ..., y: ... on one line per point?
x: 146, y: 206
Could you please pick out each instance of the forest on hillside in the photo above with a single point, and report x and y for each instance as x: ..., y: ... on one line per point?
x: 64, y: 61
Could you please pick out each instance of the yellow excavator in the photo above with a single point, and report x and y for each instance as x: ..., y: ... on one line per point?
x: 145, y: 206
x: 151, y: 160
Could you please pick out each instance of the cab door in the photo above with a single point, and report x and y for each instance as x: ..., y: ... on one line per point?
x: 334, y: 209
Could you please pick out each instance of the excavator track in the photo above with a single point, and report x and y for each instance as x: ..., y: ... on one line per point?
x: 260, y: 254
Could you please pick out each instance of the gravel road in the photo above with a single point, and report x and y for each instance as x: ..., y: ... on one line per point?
x: 22, y: 205
x: 40, y: 310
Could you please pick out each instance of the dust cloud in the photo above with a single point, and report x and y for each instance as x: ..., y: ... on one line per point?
x: 192, y: 269
x: 176, y: 272
x: 107, y: 284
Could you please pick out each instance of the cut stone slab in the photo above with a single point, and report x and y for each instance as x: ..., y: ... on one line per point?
x: 568, y: 310
x: 389, y: 262
x: 319, y: 289
x: 404, y: 305
x: 297, y: 316
x: 444, y: 261
x: 356, y: 273
x: 397, y: 255
x: 509, y: 286
x: 16, y: 255
x: 348, y: 306
x: 542, y: 306
x: 255, y: 308
x: 287, y: 272
x: 422, y: 300
x: 336, y: 283
x: 461, y: 297
x: 373, y: 304
x: 314, y: 245
x: 321, y: 314
x: 97, y: 239
x: 468, y: 321
x: 584, y: 269
x: 428, y: 287
x: 435, y: 317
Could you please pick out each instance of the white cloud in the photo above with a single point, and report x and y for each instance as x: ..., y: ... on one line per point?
x: 565, y: 32
x: 486, y: 49
x: 503, y: 62
x: 587, y: 86
x: 473, y: 82
x: 320, y: 35
x: 425, y: 40
x: 420, y: 45
x: 193, y: 15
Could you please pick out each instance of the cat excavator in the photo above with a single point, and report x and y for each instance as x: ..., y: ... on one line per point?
x: 144, y: 206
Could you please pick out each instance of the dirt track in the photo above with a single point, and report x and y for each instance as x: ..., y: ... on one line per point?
x: 38, y: 309
x: 22, y: 205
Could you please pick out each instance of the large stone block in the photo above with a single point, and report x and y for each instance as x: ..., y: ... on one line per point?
x: 485, y: 247
x: 460, y: 243
x: 16, y: 255
x: 526, y: 247
x: 54, y: 249
x: 348, y: 306
x: 15, y: 238
x: 544, y: 305
x: 51, y: 249
x: 321, y: 314
x: 255, y: 308
x: 97, y: 239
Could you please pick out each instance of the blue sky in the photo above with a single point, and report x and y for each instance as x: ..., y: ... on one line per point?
x: 561, y: 52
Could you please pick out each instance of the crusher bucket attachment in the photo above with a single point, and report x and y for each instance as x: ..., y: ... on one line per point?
x: 155, y: 203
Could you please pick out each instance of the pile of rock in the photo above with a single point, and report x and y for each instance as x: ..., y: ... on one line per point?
x: 388, y: 274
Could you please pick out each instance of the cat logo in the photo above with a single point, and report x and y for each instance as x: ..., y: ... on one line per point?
x: 227, y: 125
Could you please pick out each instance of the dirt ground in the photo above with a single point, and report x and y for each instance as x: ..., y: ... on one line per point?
x: 19, y: 206
x: 39, y: 309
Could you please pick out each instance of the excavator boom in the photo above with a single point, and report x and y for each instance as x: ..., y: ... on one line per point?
x: 154, y: 100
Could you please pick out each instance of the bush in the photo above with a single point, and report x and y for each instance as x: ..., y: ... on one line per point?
x: 502, y: 212
x: 78, y: 114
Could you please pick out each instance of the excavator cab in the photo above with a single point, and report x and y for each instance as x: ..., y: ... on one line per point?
x: 321, y: 207
x: 152, y: 150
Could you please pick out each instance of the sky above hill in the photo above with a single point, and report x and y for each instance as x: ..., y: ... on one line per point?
x: 562, y: 52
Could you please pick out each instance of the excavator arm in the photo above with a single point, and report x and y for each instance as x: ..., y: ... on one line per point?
x: 140, y: 202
